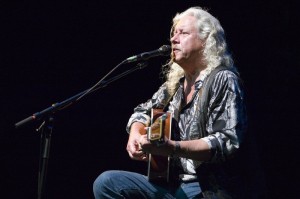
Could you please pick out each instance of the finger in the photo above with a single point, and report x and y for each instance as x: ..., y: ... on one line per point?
x: 131, y: 149
x: 145, y: 157
x: 136, y: 155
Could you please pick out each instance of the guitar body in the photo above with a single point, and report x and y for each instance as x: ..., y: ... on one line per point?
x: 159, y: 166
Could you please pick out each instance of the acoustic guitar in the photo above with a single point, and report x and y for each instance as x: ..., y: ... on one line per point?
x: 160, y: 128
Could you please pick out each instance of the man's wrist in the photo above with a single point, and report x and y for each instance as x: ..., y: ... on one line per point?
x: 175, y: 148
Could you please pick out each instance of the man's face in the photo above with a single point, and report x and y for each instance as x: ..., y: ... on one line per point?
x: 186, y: 44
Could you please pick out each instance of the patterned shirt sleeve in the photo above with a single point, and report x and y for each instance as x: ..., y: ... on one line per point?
x: 226, y: 116
x: 142, y: 112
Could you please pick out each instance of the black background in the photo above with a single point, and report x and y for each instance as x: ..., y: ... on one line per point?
x: 53, y: 50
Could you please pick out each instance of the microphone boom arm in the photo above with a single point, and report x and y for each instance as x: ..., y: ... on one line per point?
x: 61, y: 105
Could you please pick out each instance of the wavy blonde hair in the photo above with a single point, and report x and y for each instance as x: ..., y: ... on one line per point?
x: 215, y: 51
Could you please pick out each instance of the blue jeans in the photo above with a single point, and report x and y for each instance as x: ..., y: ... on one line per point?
x: 124, y: 184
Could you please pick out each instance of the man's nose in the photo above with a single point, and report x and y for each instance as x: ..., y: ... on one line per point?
x: 174, y: 38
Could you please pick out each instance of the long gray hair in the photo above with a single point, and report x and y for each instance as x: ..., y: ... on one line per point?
x: 215, y: 51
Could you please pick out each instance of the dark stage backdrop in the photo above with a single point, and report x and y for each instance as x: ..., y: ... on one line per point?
x: 53, y: 50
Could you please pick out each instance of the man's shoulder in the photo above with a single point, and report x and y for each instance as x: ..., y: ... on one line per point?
x: 226, y: 75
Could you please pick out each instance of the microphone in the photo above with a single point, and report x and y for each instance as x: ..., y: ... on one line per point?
x: 164, y: 50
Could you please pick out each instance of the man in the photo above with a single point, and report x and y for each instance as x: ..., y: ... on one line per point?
x: 208, y: 148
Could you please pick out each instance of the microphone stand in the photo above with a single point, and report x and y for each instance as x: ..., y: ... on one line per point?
x: 46, y: 132
x: 46, y: 128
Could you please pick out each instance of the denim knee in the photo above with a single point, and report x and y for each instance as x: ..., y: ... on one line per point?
x: 102, y: 183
